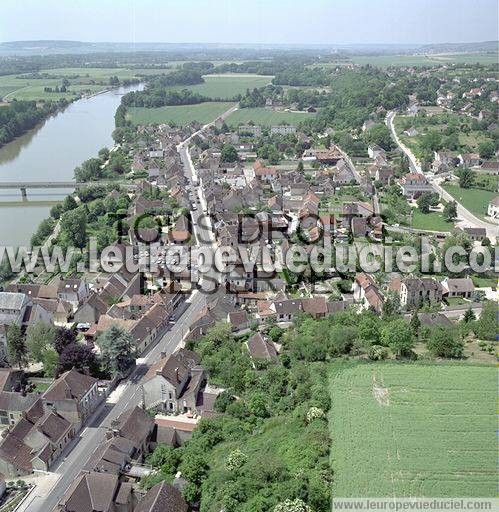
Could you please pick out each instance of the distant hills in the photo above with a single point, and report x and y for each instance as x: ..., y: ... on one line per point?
x: 486, y: 46
x: 47, y: 47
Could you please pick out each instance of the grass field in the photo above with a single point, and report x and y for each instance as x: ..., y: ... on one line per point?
x: 473, y: 199
x: 413, y: 430
x: 266, y: 117
x: 227, y: 86
x: 81, y: 79
x: 432, y: 221
x: 179, y: 115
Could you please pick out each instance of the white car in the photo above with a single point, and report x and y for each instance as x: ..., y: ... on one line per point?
x: 194, y: 206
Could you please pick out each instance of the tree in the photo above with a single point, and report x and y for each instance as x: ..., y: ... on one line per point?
x: 469, y: 316
x: 450, y: 211
x: 415, y: 323
x: 63, y: 337
x: 486, y: 150
x: 379, y: 135
x: 117, y: 350
x: 50, y: 362
x: 74, y: 228
x: 229, y: 153
x: 427, y: 199
x: 16, y: 346
x: 432, y: 141
x: 486, y: 326
x: 398, y: 335
x: 194, y: 468
x: 300, y: 167
x: 38, y: 337
x: 466, y: 177
x: 78, y: 356
x: 444, y: 343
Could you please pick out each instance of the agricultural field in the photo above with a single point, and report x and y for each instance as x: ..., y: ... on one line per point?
x: 384, y: 61
x: 413, y: 430
x: 266, y: 117
x: 227, y: 86
x: 473, y: 199
x: 432, y: 221
x: 178, y: 115
x: 80, y: 79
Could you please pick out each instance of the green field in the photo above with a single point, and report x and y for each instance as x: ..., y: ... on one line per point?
x: 227, y: 86
x: 178, y: 115
x: 432, y: 221
x: 266, y: 117
x: 414, y: 430
x: 80, y: 79
x: 473, y: 199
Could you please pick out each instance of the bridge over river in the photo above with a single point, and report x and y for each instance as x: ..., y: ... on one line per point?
x: 23, y: 186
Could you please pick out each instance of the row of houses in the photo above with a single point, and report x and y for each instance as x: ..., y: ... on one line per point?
x: 49, y: 424
x: 413, y: 292
x: 108, y: 481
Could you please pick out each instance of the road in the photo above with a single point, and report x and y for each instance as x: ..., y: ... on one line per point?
x: 129, y: 393
x: 463, y: 213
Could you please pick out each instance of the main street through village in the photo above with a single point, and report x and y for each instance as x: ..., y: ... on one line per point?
x: 129, y: 392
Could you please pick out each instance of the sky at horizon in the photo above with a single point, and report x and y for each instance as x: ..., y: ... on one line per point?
x: 259, y: 21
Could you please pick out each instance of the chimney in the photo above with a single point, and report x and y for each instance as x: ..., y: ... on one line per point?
x: 176, y: 373
x: 162, y: 355
x: 86, y: 370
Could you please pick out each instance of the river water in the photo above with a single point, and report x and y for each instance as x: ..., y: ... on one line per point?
x: 51, y: 151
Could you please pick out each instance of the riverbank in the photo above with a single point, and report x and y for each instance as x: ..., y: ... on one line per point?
x: 51, y: 153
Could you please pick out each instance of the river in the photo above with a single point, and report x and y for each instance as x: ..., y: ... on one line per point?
x: 51, y: 151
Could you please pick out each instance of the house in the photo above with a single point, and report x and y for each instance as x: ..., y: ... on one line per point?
x: 414, y: 184
x: 13, y: 404
x: 368, y: 124
x: 250, y: 129
x: 475, y: 234
x: 163, y: 497
x: 462, y: 287
x: 366, y: 293
x: 490, y: 166
x: 35, y: 441
x: 315, y: 306
x: 283, y: 129
x: 411, y: 132
x: 14, y: 307
x: 74, y: 395
x: 174, y: 382
x: 287, y: 309
x: 137, y: 426
x: 469, y: 159
x: 74, y: 291
x: 384, y: 175
x: 97, y: 492
x: 493, y: 208
x: 415, y: 291
x: 445, y: 158
x: 374, y: 151
x: 261, y: 348
x: 91, y: 310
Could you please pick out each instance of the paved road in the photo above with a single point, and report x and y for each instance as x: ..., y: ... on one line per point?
x: 130, y: 393
x: 463, y: 213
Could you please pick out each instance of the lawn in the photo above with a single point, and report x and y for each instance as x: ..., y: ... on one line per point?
x: 179, y: 115
x: 413, y: 430
x: 473, y: 199
x: 227, y: 86
x: 484, y: 281
x: 432, y: 221
x: 266, y: 117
